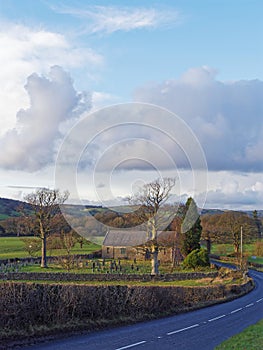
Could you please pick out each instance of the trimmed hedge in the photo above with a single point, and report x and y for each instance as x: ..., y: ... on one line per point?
x: 24, y: 305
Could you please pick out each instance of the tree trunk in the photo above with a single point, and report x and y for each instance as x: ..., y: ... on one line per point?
x: 44, y: 252
x: 236, y: 248
x: 155, y: 263
x: 43, y: 246
x: 208, y: 245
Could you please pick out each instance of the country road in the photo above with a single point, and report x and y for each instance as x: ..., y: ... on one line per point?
x: 200, y: 329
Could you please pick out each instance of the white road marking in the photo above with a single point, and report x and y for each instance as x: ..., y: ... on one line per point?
x: 259, y: 300
x: 131, y: 345
x: 249, y: 305
x: 216, y: 318
x: 183, y: 329
x: 234, y: 311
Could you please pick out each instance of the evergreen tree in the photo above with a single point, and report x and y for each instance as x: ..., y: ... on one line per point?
x: 191, y: 227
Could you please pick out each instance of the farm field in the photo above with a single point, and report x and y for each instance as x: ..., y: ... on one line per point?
x: 228, y: 250
x: 13, y: 247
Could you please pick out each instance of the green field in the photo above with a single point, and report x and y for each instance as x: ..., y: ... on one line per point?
x: 13, y: 247
x: 257, y: 260
x: 227, y: 249
x: 250, y: 339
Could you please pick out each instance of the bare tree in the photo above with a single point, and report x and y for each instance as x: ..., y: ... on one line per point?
x: 68, y: 241
x: 45, y: 203
x: 151, y: 199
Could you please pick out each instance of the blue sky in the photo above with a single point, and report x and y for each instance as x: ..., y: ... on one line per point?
x: 221, y: 34
x: 199, y: 59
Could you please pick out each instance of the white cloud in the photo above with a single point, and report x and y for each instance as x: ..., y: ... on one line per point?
x: 226, y: 117
x: 26, y: 50
x: 109, y: 19
x: 258, y: 187
x: 234, y: 190
x: 103, y: 99
x: 199, y: 78
x: 53, y: 100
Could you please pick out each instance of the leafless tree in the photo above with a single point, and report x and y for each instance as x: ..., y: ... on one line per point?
x: 151, y: 200
x: 45, y: 204
x: 68, y: 241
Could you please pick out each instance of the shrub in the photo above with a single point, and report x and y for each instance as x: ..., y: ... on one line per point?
x: 198, y: 257
x: 32, y: 245
x: 258, y: 248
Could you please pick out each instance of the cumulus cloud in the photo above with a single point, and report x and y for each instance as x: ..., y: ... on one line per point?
x: 53, y: 101
x: 233, y: 190
x: 109, y: 19
x: 132, y: 136
x: 225, y: 116
x: 25, y: 50
x: 103, y: 99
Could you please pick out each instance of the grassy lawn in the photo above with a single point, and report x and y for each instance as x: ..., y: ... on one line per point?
x: 13, y: 247
x: 250, y: 339
x: 204, y: 282
x: 96, y: 265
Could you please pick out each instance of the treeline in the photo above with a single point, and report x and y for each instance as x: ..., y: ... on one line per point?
x: 221, y: 227
x: 226, y: 227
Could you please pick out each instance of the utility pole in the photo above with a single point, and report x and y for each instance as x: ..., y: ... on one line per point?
x: 241, y: 242
x: 241, y: 249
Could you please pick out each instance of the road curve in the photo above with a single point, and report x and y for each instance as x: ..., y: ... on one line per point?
x: 200, y: 329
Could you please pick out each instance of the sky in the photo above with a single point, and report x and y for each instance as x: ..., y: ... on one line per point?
x: 101, y: 97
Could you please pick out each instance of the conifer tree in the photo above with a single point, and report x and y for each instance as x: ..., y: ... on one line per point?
x: 191, y: 227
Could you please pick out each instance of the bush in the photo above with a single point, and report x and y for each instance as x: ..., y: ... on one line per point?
x: 32, y: 245
x: 198, y: 257
x: 258, y: 248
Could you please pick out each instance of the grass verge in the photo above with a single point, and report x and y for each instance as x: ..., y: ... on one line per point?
x: 250, y: 339
x: 204, y: 282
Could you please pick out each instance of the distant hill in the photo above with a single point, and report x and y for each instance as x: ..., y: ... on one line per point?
x: 211, y: 211
x: 250, y: 213
x: 11, y: 208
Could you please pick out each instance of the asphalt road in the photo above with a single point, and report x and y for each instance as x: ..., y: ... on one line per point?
x: 200, y: 329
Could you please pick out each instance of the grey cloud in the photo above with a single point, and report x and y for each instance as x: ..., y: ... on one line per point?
x: 227, y: 117
x: 131, y: 136
x: 53, y: 102
x: 247, y: 199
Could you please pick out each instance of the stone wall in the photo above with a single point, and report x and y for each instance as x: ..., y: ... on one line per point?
x: 50, y: 259
x: 63, y: 277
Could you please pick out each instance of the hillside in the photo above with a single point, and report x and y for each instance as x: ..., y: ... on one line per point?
x: 10, y: 208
